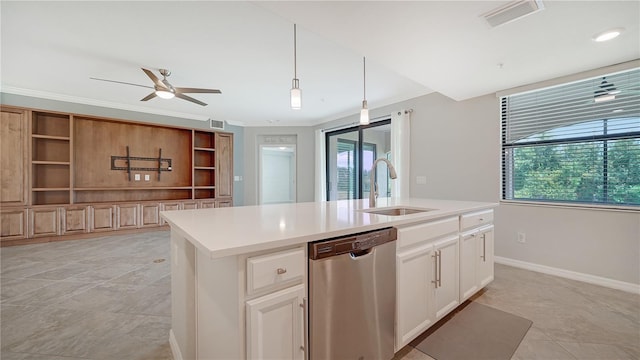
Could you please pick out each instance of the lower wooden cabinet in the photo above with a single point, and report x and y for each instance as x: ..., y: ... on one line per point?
x: 149, y: 215
x: 74, y: 220
x: 13, y: 224
x: 17, y: 223
x: 44, y: 222
x: 102, y: 218
x: 127, y: 216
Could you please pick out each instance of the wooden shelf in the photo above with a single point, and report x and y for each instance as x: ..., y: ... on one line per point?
x: 204, y: 167
x: 204, y: 187
x: 203, y: 149
x: 50, y: 137
x: 42, y: 162
x: 134, y: 188
x: 50, y: 189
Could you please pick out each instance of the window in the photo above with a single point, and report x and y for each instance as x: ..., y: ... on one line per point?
x: 574, y: 143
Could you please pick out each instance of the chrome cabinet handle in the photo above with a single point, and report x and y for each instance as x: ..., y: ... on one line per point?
x: 435, y: 268
x: 484, y: 248
x: 305, y: 329
x: 281, y: 271
x: 439, y: 268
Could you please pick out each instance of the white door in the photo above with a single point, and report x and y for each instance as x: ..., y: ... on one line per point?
x: 414, y: 269
x: 275, y: 325
x: 447, y: 289
x: 468, y: 261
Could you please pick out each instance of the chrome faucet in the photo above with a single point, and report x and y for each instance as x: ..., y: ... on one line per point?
x: 373, y: 184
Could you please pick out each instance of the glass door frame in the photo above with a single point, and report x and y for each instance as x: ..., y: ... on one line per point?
x: 360, y: 153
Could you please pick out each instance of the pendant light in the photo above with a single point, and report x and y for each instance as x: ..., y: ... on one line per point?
x: 364, y: 113
x: 296, y: 93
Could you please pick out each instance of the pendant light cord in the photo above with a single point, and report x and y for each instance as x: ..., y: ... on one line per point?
x: 364, y: 77
x: 295, y: 59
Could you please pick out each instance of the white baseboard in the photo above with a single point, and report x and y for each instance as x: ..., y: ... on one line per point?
x: 175, y: 349
x: 591, y: 279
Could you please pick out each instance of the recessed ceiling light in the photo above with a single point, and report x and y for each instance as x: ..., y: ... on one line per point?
x: 608, y: 35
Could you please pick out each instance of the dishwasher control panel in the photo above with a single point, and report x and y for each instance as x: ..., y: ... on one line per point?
x: 351, y: 243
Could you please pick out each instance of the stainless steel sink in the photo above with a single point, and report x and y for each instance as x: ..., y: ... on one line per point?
x: 396, y: 211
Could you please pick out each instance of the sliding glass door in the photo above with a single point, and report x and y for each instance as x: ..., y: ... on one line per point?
x: 350, y: 155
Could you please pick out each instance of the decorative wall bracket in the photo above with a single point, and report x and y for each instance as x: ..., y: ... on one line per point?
x: 128, y: 158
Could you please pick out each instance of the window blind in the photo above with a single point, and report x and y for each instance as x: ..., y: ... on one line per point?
x: 577, y: 142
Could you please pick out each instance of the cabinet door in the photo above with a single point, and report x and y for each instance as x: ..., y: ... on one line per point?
x: 170, y: 206
x: 485, y: 257
x: 415, y: 271
x: 468, y: 260
x: 149, y: 215
x: 447, y: 289
x: 13, y: 224
x: 224, y: 203
x: 44, y: 222
x: 187, y: 205
x: 224, y: 165
x: 102, y: 218
x: 275, y: 325
x: 206, y: 204
x: 13, y: 157
x: 127, y: 216
x: 74, y: 219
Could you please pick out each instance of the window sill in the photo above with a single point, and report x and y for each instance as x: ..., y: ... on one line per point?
x: 575, y: 206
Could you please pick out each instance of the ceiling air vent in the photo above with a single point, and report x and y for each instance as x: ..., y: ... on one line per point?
x: 512, y: 11
x: 216, y: 124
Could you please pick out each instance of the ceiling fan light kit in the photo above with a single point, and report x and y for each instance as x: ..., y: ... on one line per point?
x: 364, y: 112
x: 296, y: 93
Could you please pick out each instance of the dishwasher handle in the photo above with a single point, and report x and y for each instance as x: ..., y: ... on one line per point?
x: 358, y: 253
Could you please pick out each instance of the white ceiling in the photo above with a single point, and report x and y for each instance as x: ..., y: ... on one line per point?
x: 51, y: 49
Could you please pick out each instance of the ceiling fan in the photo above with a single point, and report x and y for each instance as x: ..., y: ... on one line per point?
x: 163, y: 89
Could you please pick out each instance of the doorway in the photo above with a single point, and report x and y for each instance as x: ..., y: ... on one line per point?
x: 277, y: 174
x: 350, y: 153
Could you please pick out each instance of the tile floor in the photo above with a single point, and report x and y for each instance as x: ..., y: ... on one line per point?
x: 108, y: 298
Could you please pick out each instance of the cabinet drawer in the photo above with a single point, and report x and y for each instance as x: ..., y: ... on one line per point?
x: 471, y: 220
x: 411, y: 235
x: 273, y: 269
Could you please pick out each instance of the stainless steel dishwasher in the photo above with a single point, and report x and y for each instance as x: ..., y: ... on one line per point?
x: 352, y: 296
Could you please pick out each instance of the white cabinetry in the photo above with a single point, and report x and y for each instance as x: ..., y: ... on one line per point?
x: 446, y: 266
x: 476, y: 252
x: 427, y: 276
x: 253, y: 304
x: 275, y: 325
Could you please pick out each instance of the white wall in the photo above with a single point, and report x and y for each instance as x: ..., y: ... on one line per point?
x: 305, y: 166
x: 456, y: 145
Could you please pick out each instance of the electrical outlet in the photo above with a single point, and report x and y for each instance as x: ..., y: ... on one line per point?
x: 147, y: 177
x: 136, y: 177
x: 522, y: 237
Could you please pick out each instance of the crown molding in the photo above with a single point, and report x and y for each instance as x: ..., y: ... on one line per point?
x: 100, y: 103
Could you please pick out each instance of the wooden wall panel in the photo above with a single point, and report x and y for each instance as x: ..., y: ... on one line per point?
x: 102, y: 218
x: 13, y: 157
x: 75, y: 219
x: 224, y: 165
x: 95, y: 141
x: 44, y: 222
x: 13, y: 224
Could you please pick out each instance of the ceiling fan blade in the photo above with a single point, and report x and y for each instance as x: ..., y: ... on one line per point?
x: 189, y: 98
x: 122, y: 82
x: 149, y: 97
x: 154, y: 78
x: 196, y: 90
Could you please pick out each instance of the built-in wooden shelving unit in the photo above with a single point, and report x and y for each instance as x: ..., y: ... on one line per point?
x: 64, y: 184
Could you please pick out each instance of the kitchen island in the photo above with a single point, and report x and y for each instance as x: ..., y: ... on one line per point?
x: 239, y: 274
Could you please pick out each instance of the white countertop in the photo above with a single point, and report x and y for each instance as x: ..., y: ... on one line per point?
x: 229, y: 231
